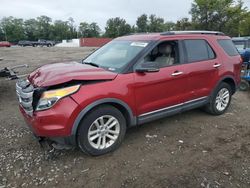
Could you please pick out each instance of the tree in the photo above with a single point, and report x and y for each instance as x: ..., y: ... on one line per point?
x: 142, y: 23
x: 156, y: 24
x: 94, y: 29
x: 183, y: 24
x: 31, y: 29
x: 244, y: 27
x: 72, y: 27
x: 13, y: 29
x: 60, y: 30
x: 236, y: 17
x: 117, y: 27
x: 169, y: 26
x: 89, y: 30
x: 221, y: 15
x: 44, y: 27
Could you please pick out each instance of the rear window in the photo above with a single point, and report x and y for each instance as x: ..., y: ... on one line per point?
x: 228, y: 47
x: 198, y: 50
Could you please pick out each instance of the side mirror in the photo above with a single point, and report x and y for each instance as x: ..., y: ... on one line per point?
x: 148, y: 67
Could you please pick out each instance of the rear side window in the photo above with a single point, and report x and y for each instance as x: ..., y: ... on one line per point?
x: 228, y: 47
x: 198, y: 50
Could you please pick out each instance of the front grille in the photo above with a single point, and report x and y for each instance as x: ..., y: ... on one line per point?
x: 25, y: 93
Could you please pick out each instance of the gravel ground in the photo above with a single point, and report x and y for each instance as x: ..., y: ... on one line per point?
x: 192, y: 149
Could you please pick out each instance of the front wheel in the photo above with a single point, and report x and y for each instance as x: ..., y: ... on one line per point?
x: 220, y: 99
x: 101, y: 131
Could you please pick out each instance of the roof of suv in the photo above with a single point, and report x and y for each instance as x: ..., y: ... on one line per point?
x: 158, y: 36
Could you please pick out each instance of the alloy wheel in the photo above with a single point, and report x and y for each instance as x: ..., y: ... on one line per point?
x: 103, y: 132
x: 222, y: 99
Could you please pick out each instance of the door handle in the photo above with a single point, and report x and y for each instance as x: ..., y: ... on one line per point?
x: 216, y: 65
x: 177, y: 73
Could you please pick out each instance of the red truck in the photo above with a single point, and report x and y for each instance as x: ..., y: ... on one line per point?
x: 129, y: 81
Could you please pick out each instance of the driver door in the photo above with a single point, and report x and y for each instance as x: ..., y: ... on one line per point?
x: 163, y: 92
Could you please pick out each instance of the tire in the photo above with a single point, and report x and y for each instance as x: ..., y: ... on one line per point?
x: 213, y: 107
x: 90, y: 124
x: 244, y: 85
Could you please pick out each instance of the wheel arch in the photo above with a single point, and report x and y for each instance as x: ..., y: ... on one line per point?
x: 120, y: 105
x: 229, y: 80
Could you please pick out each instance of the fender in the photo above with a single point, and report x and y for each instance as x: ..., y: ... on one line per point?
x: 132, y: 118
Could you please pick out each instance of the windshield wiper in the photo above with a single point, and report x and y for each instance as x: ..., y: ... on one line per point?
x: 90, y: 63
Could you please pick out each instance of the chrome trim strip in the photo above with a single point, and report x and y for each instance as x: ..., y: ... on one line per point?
x: 162, y: 109
x: 195, y: 100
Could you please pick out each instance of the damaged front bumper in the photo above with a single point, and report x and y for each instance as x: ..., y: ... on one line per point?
x: 54, y: 124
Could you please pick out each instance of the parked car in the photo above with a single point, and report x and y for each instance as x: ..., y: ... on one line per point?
x: 47, y: 43
x: 40, y: 42
x: 5, y: 44
x: 130, y: 81
x: 25, y: 43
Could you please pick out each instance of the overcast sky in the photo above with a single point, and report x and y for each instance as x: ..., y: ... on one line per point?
x: 97, y: 10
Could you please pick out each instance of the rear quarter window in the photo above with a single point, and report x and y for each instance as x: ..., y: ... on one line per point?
x: 198, y: 50
x: 228, y: 46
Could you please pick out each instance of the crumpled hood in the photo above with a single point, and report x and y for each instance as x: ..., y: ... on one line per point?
x: 58, y: 73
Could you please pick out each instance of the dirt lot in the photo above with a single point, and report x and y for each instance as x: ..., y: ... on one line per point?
x: 192, y: 149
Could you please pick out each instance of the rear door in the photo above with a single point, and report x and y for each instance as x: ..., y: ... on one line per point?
x: 202, y: 67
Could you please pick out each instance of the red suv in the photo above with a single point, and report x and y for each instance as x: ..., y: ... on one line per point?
x: 129, y: 81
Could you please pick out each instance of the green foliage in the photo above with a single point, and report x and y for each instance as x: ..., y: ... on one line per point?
x: 116, y: 27
x: 31, y: 29
x: 156, y: 24
x: 72, y: 28
x: 183, y: 24
x: 44, y: 27
x: 152, y: 23
x: 169, y: 26
x: 89, y: 30
x: 244, y: 28
x: 142, y: 24
x: 13, y: 28
x: 60, y: 30
x: 220, y: 15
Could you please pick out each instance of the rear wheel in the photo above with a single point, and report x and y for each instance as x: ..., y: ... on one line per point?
x: 220, y: 100
x: 101, y: 131
x: 244, y: 85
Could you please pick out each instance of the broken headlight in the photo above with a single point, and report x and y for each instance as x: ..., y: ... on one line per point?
x: 49, y: 98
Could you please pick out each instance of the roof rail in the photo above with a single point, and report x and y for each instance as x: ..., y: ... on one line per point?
x: 192, y: 32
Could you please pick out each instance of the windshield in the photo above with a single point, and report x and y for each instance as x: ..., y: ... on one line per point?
x: 240, y: 45
x: 115, y: 55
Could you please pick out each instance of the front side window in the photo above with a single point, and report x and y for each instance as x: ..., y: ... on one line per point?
x: 115, y: 55
x: 198, y: 50
x: 163, y: 55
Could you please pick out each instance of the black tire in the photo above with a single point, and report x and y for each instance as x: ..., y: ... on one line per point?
x: 211, y: 106
x: 82, y: 133
x: 244, y: 85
